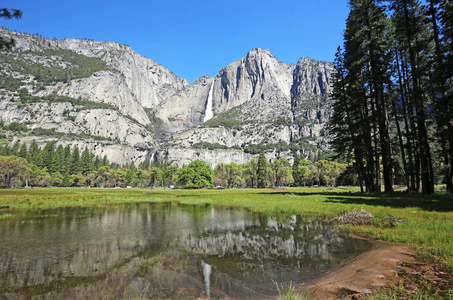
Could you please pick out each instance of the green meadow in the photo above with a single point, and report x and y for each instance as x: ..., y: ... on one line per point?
x: 423, y: 222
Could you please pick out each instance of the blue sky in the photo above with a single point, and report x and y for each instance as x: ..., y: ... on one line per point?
x: 193, y: 38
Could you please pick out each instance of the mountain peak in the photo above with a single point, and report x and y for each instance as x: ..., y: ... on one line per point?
x: 259, y: 51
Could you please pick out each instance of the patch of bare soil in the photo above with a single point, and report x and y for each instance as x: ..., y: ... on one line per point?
x: 384, y: 264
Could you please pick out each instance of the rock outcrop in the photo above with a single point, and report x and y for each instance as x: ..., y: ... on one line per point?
x: 127, y: 83
x: 89, y: 93
x: 259, y: 103
x: 187, y: 107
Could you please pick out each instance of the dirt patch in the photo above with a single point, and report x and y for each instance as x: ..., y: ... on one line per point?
x: 380, y: 266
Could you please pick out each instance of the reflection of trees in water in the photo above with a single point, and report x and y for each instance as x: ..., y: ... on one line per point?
x: 96, y: 252
x: 47, y: 249
x: 80, y: 246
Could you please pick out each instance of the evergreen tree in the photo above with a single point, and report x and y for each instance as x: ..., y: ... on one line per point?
x: 60, y: 151
x: 6, y: 150
x: 296, y: 177
x: 66, y: 159
x: 395, y: 68
x: 262, y: 171
x: 9, y: 43
x: 444, y: 74
x: 75, y: 167
x: 48, y: 154
x: 86, y: 162
x: 15, y: 148
x: 23, y: 151
x: 369, y: 29
x: 66, y: 181
x: 97, y: 163
x: 352, y: 124
x: 33, y: 151
x: 56, y: 164
x: 39, y: 160
x: 145, y: 165
x: 319, y: 155
x: 105, y: 161
x: 411, y: 36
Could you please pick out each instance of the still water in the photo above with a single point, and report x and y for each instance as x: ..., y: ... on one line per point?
x: 163, y: 251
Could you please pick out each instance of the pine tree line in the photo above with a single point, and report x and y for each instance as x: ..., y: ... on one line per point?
x: 26, y: 164
x: 53, y: 165
x: 56, y: 159
x: 393, y: 110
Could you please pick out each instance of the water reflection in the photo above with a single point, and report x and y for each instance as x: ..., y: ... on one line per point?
x: 207, y: 278
x: 162, y: 251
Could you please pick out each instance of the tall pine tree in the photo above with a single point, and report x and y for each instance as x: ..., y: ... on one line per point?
x: 75, y: 162
x: 86, y: 162
x: 262, y: 171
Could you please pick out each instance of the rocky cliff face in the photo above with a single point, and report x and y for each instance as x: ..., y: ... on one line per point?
x: 148, y: 82
x: 187, y: 107
x: 104, y: 96
x: 259, y: 104
x: 258, y: 76
x: 109, y: 102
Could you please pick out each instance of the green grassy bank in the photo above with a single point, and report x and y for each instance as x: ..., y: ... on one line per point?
x: 424, y: 222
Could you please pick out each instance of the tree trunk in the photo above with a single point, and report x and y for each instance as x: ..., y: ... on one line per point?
x: 401, y: 76
x: 377, y: 94
x: 400, y: 140
x: 442, y: 108
x: 424, y: 148
x: 370, y: 181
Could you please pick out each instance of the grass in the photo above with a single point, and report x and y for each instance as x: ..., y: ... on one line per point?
x: 401, y: 290
x: 151, y: 262
x: 290, y: 293
x: 424, y: 222
x: 5, y: 215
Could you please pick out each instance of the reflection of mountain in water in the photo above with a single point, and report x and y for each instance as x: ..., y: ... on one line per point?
x: 245, y: 258
x: 314, y: 241
x: 72, y: 252
x: 69, y: 244
x: 289, y: 238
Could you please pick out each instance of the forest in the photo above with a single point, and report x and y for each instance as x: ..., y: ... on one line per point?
x: 28, y: 165
x: 393, y: 105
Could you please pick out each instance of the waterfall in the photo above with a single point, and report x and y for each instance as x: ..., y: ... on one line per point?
x: 206, y: 276
x: 208, y: 110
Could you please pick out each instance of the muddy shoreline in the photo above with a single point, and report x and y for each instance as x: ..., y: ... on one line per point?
x: 378, y: 267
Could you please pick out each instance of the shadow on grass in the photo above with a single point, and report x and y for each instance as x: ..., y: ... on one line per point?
x: 439, y: 203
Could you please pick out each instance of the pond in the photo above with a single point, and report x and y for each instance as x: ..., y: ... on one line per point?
x: 164, y: 251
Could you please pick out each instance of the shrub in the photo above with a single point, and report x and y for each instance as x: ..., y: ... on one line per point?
x: 15, y: 126
x: 355, y: 217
